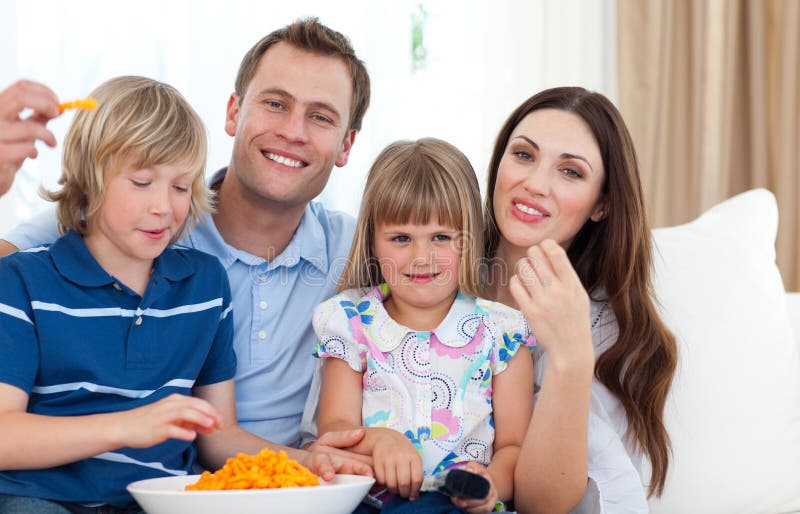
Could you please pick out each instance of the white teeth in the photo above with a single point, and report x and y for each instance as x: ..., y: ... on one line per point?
x: 283, y: 160
x: 528, y: 210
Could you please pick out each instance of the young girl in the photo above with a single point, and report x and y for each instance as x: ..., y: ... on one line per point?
x: 433, y: 372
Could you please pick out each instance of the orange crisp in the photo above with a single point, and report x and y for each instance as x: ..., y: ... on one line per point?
x: 87, y: 103
x: 267, y: 470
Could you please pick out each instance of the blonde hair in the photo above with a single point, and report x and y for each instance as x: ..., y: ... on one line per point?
x: 139, y: 121
x: 409, y: 182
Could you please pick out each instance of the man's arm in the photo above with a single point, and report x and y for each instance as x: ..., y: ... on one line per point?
x: 6, y: 248
x: 41, y: 229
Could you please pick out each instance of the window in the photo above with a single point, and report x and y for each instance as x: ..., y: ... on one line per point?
x: 481, y: 59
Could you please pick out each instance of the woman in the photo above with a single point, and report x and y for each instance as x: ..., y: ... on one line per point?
x: 569, y: 245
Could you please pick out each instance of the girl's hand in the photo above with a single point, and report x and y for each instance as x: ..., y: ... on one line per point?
x: 326, y: 464
x: 397, y: 463
x: 175, y: 417
x: 553, y: 300
x: 483, y: 505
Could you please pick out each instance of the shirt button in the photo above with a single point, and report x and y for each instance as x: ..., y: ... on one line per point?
x: 117, y: 286
x: 262, y: 304
x: 262, y: 335
x: 138, y: 321
x: 262, y: 277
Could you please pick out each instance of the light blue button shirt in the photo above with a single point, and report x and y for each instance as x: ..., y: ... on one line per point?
x: 272, y: 305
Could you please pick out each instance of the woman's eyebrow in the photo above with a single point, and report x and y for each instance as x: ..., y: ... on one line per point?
x: 579, y: 157
x: 529, y: 140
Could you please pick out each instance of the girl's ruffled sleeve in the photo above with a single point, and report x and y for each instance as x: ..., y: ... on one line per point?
x: 333, y: 326
x: 511, y: 332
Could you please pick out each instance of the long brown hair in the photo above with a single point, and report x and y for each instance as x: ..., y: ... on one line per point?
x: 614, y: 255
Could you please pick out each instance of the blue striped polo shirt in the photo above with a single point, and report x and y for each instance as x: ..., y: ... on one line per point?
x: 80, y: 342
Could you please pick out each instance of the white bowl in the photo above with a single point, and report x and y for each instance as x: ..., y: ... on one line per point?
x: 167, y: 496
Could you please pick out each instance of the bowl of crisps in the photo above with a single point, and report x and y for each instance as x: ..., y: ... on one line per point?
x: 267, y: 482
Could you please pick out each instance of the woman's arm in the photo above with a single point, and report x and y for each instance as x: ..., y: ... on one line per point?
x: 551, y: 473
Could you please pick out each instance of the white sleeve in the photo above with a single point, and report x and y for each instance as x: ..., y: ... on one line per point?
x: 40, y: 229
x: 615, y: 485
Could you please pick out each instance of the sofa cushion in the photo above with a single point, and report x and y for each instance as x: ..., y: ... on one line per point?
x: 734, y: 409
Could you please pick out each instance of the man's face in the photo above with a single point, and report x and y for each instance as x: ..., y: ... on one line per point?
x: 291, y: 127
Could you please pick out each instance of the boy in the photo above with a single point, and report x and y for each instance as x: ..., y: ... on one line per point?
x: 116, y: 349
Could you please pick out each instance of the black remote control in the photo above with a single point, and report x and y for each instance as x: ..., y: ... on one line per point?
x: 463, y: 483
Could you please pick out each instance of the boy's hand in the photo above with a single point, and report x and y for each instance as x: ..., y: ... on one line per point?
x: 483, y: 505
x: 397, y: 463
x: 326, y: 464
x: 175, y: 417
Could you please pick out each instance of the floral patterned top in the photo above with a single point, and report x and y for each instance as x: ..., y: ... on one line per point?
x: 433, y: 386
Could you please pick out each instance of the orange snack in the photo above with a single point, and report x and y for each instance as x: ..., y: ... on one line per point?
x: 267, y: 470
x: 87, y: 103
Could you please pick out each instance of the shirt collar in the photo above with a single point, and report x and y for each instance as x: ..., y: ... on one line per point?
x: 173, y: 265
x: 205, y: 237
x: 456, y: 330
x: 309, y: 242
x: 74, y: 261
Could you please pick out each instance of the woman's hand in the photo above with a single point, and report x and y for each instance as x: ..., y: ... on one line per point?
x: 555, y: 304
x: 483, y: 505
x: 397, y: 463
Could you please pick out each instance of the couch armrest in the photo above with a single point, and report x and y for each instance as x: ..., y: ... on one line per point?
x: 793, y: 302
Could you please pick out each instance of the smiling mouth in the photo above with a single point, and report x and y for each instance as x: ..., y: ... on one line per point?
x: 284, y: 160
x: 529, y: 210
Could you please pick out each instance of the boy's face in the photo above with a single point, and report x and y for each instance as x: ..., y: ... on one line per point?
x: 141, y: 212
x: 291, y: 127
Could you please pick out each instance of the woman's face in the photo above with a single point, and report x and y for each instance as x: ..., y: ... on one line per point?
x: 549, y: 180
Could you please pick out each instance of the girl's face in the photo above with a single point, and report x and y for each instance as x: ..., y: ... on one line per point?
x: 549, y: 181
x: 142, y: 210
x: 420, y: 263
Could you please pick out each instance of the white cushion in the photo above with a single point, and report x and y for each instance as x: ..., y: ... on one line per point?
x: 793, y: 304
x: 734, y: 409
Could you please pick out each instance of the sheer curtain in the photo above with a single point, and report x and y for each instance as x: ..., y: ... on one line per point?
x: 480, y: 60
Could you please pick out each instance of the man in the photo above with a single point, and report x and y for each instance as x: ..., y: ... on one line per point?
x: 300, y: 96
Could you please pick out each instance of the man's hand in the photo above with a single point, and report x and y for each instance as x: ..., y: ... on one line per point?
x: 18, y: 136
x: 327, y: 455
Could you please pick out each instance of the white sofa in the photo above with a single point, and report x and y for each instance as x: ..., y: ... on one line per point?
x: 734, y: 410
